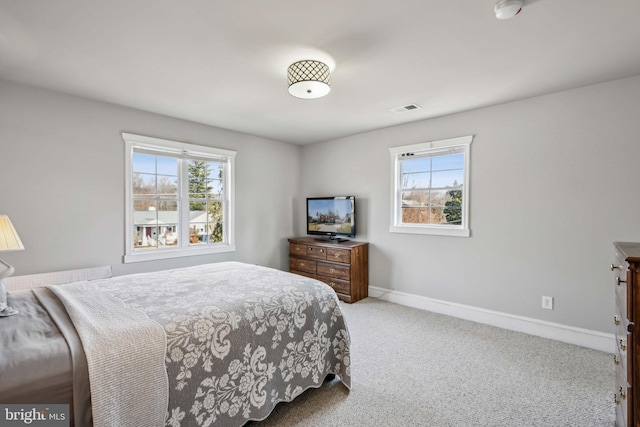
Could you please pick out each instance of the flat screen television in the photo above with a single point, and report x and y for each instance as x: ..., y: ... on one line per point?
x: 332, y: 217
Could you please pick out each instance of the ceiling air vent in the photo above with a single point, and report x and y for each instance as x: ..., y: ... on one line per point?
x: 406, y: 108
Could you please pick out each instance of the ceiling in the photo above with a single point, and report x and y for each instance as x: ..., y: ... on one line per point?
x: 223, y: 62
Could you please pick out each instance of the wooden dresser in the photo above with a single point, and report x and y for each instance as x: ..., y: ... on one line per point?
x: 626, y: 268
x: 344, y: 266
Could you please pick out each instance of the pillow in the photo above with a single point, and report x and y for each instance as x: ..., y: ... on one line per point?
x: 5, y: 310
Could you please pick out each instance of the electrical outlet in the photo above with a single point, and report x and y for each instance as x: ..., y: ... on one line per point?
x: 547, y: 303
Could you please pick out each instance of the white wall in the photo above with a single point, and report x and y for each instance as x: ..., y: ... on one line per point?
x: 62, y: 182
x: 553, y: 184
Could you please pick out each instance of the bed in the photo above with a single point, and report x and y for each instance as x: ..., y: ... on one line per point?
x: 216, y: 344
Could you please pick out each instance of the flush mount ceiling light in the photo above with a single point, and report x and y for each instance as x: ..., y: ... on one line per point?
x: 506, y: 9
x: 308, y: 79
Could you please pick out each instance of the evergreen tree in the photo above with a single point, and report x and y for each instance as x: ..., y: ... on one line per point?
x: 198, y: 188
x: 453, y: 210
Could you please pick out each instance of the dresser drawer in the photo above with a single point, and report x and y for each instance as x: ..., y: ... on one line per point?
x: 339, y: 255
x: 304, y: 265
x: 335, y: 271
x: 297, y: 249
x: 316, y: 252
x: 337, y: 284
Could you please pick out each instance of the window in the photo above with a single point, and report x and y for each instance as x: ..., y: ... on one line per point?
x: 430, y: 185
x: 180, y: 199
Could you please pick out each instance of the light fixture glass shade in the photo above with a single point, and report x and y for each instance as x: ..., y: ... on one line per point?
x: 506, y: 9
x: 308, y: 79
x: 9, y: 239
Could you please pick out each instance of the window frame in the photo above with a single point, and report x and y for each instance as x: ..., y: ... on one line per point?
x: 183, y: 152
x: 430, y: 148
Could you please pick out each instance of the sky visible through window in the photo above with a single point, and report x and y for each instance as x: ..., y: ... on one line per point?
x: 433, y: 172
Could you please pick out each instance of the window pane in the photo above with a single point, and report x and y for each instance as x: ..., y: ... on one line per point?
x: 144, y: 163
x: 452, y: 178
x: 451, y: 161
x: 168, y: 236
x: 436, y: 216
x: 215, y: 232
x: 411, y: 215
x: 215, y: 188
x: 453, y: 215
x: 453, y: 207
x: 145, y: 212
x: 420, y: 164
x: 215, y: 170
x: 144, y: 184
x: 167, y: 212
x: 198, y: 174
x: 145, y: 237
x: 415, y: 199
x: 167, y: 186
x: 438, y: 198
x: 215, y: 211
x: 167, y: 166
x: 206, y: 224
x: 416, y: 180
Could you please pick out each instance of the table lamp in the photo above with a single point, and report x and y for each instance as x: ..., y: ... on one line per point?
x: 9, y: 241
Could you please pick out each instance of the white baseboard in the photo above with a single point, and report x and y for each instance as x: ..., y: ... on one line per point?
x: 583, y: 337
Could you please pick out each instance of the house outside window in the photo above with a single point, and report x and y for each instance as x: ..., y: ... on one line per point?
x: 430, y: 187
x: 180, y: 199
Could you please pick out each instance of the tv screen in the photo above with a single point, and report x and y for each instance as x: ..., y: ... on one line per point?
x: 332, y: 216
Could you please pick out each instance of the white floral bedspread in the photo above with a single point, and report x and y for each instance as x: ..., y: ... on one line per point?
x: 240, y: 338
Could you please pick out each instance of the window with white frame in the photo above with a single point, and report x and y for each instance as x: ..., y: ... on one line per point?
x: 180, y: 199
x: 430, y: 187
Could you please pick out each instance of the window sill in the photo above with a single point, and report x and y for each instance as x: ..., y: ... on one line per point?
x: 175, y: 253
x: 434, y: 231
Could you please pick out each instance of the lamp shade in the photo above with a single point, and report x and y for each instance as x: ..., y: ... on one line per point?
x: 9, y: 239
x: 308, y: 79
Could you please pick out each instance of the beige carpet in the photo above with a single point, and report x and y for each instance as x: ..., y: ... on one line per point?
x: 415, y: 368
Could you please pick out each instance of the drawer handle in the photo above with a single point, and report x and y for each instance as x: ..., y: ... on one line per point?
x: 332, y: 284
x: 297, y: 249
x: 616, y: 359
x: 613, y: 267
x: 619, y: 280
x: 623, y: 395
x: 301, y: 264
x: 616, y: 320
x: 336, y: 255
x: 321, y: 251
x: 331, y: 270
x: 623, y: 345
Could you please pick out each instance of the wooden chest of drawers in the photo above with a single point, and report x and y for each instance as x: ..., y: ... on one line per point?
x: 343, y: 266
x: 626, y: 268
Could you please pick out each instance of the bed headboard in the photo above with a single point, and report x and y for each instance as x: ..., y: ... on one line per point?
x: 16, y: 283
